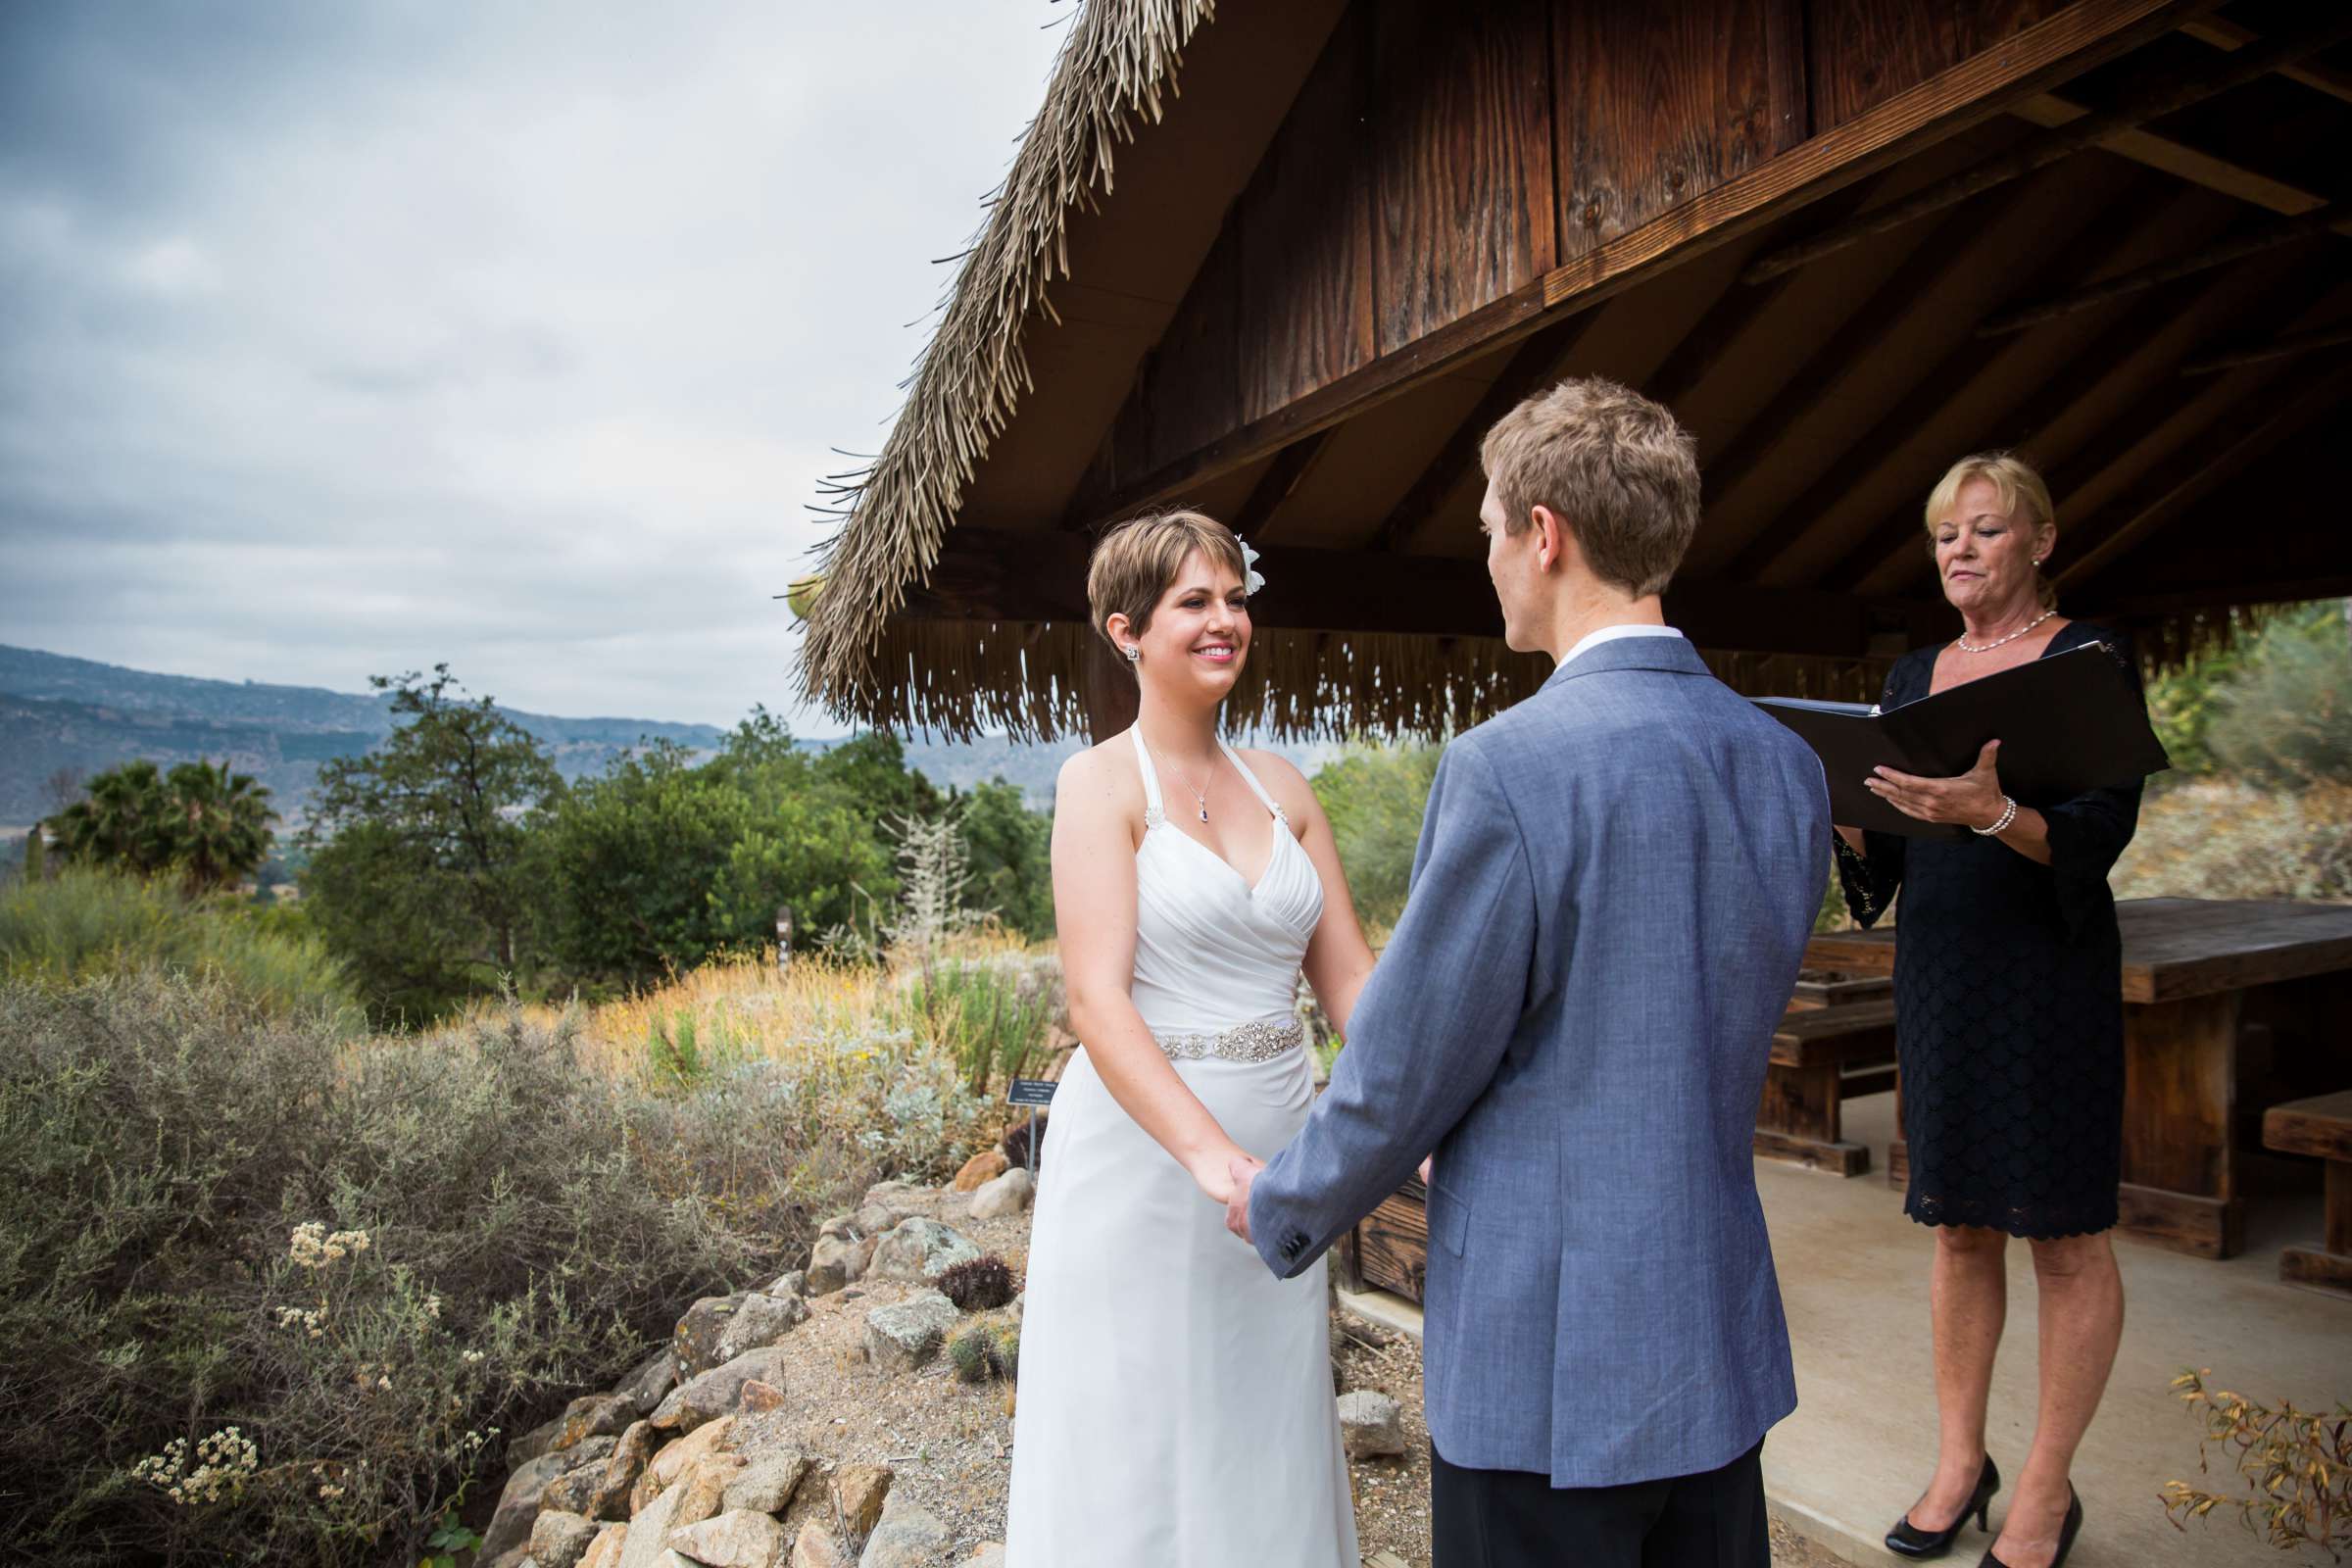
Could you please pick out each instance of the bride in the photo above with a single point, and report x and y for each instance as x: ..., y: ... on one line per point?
x: 1176, y: 1403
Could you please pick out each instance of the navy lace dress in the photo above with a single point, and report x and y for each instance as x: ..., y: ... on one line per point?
x: 2009, y: 1013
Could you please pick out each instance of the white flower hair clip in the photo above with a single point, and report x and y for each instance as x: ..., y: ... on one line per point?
x: 1251, y: 582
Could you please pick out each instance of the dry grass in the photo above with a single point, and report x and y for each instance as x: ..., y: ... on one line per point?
x: 2217, y: 838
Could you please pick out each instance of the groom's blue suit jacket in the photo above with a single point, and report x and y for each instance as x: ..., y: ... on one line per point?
x: 1612, y: 893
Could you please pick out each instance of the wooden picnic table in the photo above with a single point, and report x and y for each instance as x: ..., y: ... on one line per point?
x: 2219, y: 994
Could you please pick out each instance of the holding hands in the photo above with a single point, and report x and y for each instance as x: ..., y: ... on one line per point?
x: 1241, y: 1170
x: 1973, y: 800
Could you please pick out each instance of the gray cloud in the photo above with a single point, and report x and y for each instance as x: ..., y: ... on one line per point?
x: 350, y: 338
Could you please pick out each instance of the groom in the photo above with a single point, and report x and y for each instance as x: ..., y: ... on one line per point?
x: 1613, y: 888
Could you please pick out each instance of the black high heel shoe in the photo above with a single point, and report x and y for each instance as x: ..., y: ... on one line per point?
x: 1907, y: 1539
x: 2066, y: 1532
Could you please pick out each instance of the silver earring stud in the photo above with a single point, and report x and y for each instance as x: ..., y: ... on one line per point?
x: 1135, y: 655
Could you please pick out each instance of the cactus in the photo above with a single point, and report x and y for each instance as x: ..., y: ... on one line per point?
x: 969, y: 1353
x: 1005, y: 1353
x: 978, y: 1286
x: 1017, y: 1144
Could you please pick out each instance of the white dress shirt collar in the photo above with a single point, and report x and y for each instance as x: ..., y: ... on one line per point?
x: 1594, y: 639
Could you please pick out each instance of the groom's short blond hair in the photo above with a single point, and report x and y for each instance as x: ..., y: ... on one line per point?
x: 1612, y: 464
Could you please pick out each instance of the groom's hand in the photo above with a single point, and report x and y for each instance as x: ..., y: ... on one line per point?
x: 1244, y: 1171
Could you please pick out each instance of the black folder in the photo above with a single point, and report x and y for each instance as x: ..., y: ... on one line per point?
x: 2067, y: 724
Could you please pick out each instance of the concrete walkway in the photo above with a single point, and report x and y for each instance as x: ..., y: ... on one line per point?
x: 1854, y: 1277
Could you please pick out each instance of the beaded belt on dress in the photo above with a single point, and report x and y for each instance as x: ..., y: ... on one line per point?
x: 1251, y: 1041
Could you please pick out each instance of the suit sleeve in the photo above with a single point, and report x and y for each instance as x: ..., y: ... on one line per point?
x: 1429, y: 1030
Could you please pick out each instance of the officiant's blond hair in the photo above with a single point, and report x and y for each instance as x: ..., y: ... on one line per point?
x: 1612, y: 464
x: 2016, y: 484
x: 1135, y: 564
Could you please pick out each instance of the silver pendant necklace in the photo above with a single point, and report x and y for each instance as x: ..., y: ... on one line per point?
x: 1962, y: 643
x: 1199, y: 796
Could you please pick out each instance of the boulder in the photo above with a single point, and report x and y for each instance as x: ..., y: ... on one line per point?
x: 1370, y: 1425
x: 814, y: 1549
x: 647, y: 1544
x: 510, y: 1524
x: 611, y: 1497
x: 844, y: 1226
x: 979, y: 1170
x: 716, y: 1391
x: 703, y: 1489
x: 901, y: 1196
x: 651, y: 1379
x: 594, y: 1415
x: 736, y: 1539
x: 988, y: 1554
x: 793, y: 1283
x: 920, y: 1251
x: 901, y: 1338
x: 760, y: 1322
x: 833, y: 1262
x: 605, y: 1550
x: 664, y: 1468
x: 519, y: 1557
x: 767, y: 1483
x: 875, y: 1218
x: 695, y: 1341
x: 760, y: 1396
x: 908, y: 1537
x: 534, y: 1442
x: 860, y: 1490
x: 1008, y: 1194
x: 559, y: 1540
x: 575, y: 1492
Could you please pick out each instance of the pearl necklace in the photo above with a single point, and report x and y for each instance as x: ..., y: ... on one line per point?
x: 1965, y: 646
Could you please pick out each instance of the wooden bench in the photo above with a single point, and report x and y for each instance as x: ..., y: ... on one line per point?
x: 2319, y: 1126
x: 1821, y: 1058
x: 1389, y: 1251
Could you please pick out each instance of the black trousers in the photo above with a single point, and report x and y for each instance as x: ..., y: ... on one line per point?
x: 1511, y: 1519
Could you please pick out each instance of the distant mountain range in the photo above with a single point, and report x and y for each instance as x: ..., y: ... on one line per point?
x: 62, y: 716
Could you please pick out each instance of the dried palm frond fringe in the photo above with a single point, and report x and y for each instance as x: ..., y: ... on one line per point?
x: 1025, y: 680
x: 1115, y: 68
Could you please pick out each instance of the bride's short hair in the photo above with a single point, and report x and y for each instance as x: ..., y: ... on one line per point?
x: 1135, y: 563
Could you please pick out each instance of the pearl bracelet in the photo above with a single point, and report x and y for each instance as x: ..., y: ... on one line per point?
x: 2008, y: 815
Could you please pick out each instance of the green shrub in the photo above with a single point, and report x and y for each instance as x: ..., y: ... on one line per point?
x: 308, y: 1281
x: 82, y: 923
x: 2284, y: 717
x: 2217, y: 838
x: 990, y: 1017
x: 1375, y: 797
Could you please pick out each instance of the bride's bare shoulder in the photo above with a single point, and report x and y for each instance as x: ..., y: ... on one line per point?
x: 1102, y: 777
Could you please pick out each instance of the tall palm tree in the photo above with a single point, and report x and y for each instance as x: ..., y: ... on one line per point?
x: 219, y: 824
x: 122, y: 820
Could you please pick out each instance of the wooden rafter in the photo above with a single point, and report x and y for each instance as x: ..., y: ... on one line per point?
x: 2252, y: 427
x: 2179, y: 159
x: 2083, y: 34
x: 2316, y: 74
x: 2286, y: 346
x: 2109, y: 232
x: 1944, y: 252
x: 2256, y: 61
x: 2250, y: 242
x: 1283, y: 475
x: 1536, y: 360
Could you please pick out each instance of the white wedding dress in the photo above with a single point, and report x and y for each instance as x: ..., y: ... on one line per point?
x: 1175, y: 1404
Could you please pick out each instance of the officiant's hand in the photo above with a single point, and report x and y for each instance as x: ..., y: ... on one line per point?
x: 1243, y: 1172
x: 1972, y: 800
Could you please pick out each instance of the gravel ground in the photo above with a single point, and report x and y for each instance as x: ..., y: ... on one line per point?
x: 950, y: 1443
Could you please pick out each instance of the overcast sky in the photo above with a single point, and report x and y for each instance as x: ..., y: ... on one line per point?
x: 345, y: 338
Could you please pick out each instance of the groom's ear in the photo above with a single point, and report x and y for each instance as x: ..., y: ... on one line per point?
x: 1552, y: 537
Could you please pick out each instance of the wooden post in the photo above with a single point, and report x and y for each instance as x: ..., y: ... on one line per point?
x: 2180, y: 1186
x: 1110, y: 695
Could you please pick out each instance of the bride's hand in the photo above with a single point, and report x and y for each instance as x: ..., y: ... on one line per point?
x: 1212, y: 1173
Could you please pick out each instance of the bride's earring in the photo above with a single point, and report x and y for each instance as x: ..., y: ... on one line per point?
x: 1135, y: 655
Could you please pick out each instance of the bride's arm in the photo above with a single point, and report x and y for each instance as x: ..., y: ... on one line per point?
x: 1338, y: 959
x: 1094, y: 915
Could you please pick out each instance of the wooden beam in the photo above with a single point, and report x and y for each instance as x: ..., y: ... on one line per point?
x: 2064, y: 142
x: 2083, y: 34
x: 2248, y: 242
x: 2184, y: 161
x: 2109, y: 231
x: 995, y: 575
x: 2219, y: 595
x: 1536, y: 360
x: 2316, y: 74
x: 1945, y: 251
x: 2278, y: 348
x: 2251, y: 427
x: 1283, y: 474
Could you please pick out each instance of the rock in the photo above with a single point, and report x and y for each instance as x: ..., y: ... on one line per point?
x: 653, y: 1378
x: 647, y: 1544
x: 844, y: 1226
x: 518, y: 1505
x: 559, y: 1540
x: 760, y: 1322
x: 814, y: 1548
x: 532, y: 1444
x: 767, y: 1483
x: 1370, y: 1425
x: 901, y: 1196
x: 519, y: 1557
x: 988, y: 1554
x: 875, y: 1218
x: 595, y: 1415
x: 833, y: 1262
x: 794, y: 1283
x: 611, y: 1498
x: 703, y: 1489
x: 979, y: 1170
x: 761, y: 1396
x: 1008, y: 1194
x: 672, y: 1462
x: 605, y: 1550
x: 575, y: 1492
x: 716, y: 1391
x: 920, y: 1251
x: 908, y: 1537
x: 695, y: 1341
x: 904, y: 1337
x: 860, y: 1490
x: 736, y: 1539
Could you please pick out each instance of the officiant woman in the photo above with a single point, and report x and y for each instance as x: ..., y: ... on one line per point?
x: 2009, y: 1024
